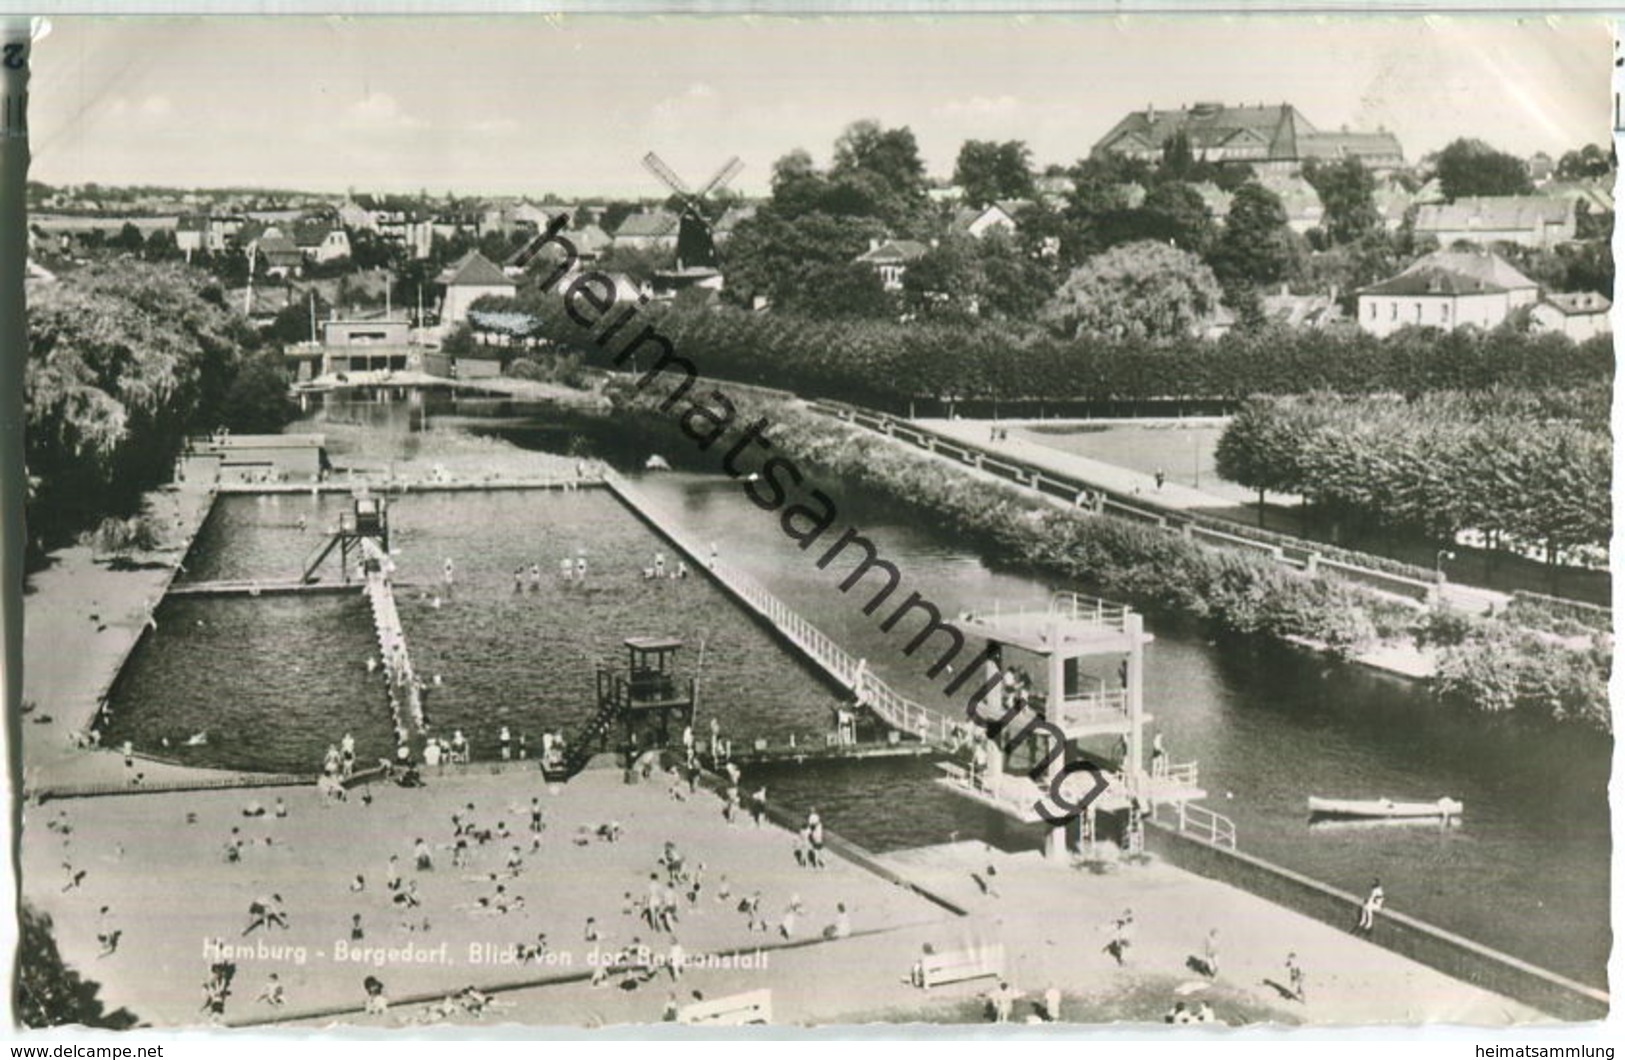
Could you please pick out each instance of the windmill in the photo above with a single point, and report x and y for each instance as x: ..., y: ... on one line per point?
x: 696, y: 249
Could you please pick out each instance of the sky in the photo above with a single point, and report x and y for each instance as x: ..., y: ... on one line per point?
x: 570, y: 104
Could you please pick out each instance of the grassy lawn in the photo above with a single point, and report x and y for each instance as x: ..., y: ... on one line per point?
x: 1183, y: 452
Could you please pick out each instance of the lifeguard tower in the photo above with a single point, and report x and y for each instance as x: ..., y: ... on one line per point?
x: 362, y: 538
x: 1079, y: 663
x: 638, y: 709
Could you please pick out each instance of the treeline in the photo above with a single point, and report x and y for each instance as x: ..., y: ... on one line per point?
x: 124, y: 361
x: 1232, y: 592
x: 888, y: 364
x: 1520, y: 466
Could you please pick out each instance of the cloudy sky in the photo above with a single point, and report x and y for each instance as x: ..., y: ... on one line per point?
x: 570, y: 104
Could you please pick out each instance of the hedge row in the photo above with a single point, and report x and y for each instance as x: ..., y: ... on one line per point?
x: 1519, y: 467
x: 889, y: 363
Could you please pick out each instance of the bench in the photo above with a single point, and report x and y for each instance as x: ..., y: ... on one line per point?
x: 935, y: 969
x: 736, y: 1010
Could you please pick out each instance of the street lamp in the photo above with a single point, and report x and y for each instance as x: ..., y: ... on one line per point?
x: 1438, y: 562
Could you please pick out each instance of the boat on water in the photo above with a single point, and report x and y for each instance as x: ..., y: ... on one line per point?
x: 1389, y: 808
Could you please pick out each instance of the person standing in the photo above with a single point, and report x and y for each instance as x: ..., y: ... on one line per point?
x: 504, y: 741
x: 1294, y: 977
x: 1373, y: 904
x: 1210, y: 953
x: 1159, y: 757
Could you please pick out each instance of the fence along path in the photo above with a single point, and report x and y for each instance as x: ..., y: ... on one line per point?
x: 848, y: 671
x: 1292, y: 552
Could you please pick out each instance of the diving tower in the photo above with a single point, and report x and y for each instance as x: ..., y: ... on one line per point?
x: 1078, y: 665
x: 362, y: 535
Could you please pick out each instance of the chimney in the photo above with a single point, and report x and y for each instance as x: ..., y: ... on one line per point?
x: 874, y: 245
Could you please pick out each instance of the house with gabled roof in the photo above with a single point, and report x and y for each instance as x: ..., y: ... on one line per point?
x: 978, y: 221
x: 647, y: 230
x: 890, y: 259
x: 1447, y: 289
x: 282, y: 256
x: 1580, y: 315
x: 466, y: 282
x: 1527, y: 220
x: 320, y: 239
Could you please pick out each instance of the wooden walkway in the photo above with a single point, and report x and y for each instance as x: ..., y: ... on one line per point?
x: 405, y: 694
x: 842, y: 667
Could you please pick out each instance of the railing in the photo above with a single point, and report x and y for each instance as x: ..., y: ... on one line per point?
x: 1090, y: 610
x: 1390, y: 576
x: 1202, y: 823
x: 1185, y: 774
x: 897, y: 711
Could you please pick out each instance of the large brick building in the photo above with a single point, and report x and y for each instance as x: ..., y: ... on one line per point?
x: 1272, y: 138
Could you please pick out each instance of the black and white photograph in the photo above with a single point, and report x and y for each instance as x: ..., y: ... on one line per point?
x: 594, y: 521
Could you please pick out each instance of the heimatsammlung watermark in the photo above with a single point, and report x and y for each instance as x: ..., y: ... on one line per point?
x: 590, y: 301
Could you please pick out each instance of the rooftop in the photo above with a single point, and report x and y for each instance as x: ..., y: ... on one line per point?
x: 474, y: 270
x: 1515, y: 212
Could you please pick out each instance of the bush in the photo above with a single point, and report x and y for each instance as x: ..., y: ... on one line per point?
x: 115, y: 536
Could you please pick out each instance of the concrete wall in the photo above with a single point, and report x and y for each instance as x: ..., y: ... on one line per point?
x: 1451, y: 954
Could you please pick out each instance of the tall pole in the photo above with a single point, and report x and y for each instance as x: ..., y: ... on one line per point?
x: 313, y: 316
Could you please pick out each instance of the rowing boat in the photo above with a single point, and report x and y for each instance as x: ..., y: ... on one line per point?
x: 1382, y: 808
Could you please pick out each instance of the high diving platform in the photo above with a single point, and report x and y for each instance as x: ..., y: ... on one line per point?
x: 1076, y: 665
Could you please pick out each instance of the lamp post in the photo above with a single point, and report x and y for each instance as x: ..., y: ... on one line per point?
x: 1438, y: 562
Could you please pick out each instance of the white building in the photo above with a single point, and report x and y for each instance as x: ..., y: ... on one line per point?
x: 1580, y: 315
x: 467, y: 282
x: 1446, y: 290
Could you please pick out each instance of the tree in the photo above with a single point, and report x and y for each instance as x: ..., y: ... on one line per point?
x: 1256, y: 249
x: 878, y: 173
x: 1173, y: 212
x: 1472, y: 167
x: 161, y: 246
x: 50, y: 994
x: 1136, y: 291
x: 776, y: 258
x: 1346, y: 191
x: 292, y: 323
x: 947, y: 279
x: 257, y: 401
x: 1178, y: 161
x: 988, y: 171
x: 1588, y: 163
x: 129, y: 238
x: 844, y: 289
